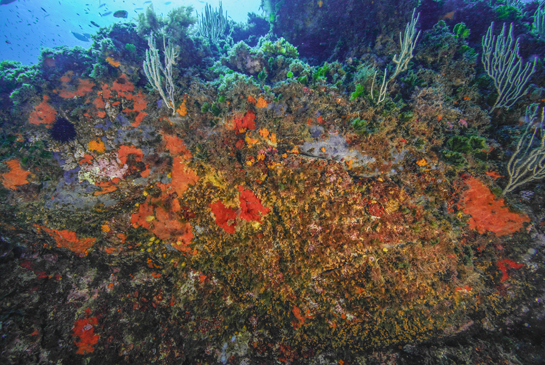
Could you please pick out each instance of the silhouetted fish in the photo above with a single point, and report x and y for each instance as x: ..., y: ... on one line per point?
x: 107, y: 13
x: 449, y: 15
x: 95, y: 24
x: 4, y: 2
x: 82, y: 37
x: 121, y: 14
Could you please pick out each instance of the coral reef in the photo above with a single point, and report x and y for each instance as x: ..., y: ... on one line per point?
x: 281, y: 214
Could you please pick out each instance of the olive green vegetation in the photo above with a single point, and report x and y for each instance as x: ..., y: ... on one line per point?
x: 508, y: 13
x: 175, y: 26
x: 362, y: 127
x: 461, y: 31
x: 460, y: 146
x: 321, y: 72
x: 262, y: 75
x: 130, y: 47
x: 359, y: 90
x: 280, y: 47
x: 9, y: 73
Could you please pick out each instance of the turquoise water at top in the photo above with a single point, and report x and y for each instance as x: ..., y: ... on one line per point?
x: 28, y: 25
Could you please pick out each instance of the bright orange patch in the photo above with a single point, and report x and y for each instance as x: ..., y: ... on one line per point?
x: 122, y: 85
x: 494, y: 175
x: 146, y: 172
x: 125, y: 151
x: 261, y: 103
x: 73, y: 87
x: 99, y: 102
x: 43, y: 114
x: 84, y: 330
x: 16, y: 176
x: 165, y: 225
x: 182, y: 109
x: 264, y: 132
x: 269, y: 137
x: 139, y: 104
x: 251, y: 206
x: 176, y: 146
x: 86, y: 159
x: 105, y: 190
x: 246, y: 122
x: 112, y: 62
x: 106, y: 93
x: 251, y: 141
x: 488, y: 213
x: 224, y: 217
x: 182, y: 177
x: 97, y: 146
x: 69, y: 240
x: 422, y: 162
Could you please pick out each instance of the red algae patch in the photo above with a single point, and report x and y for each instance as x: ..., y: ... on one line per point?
x: 43, y: 114
x: 245, y: 122
x: 182, y: 177
x: 15, y: 177
x: 251, y: 206
x: 125, y: 151
x: 69, y: 240
x: 164, y: 224
x: 73, y: 86
x: 84, y: 330
x: 176, y: 146
x: 489, y: 214
x: 224, y: 217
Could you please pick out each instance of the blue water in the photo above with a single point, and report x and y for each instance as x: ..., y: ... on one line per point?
x: 28, y: 25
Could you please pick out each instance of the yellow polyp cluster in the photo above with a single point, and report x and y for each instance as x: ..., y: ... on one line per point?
x: 327, y: 240
x: 97, y: 145
x: 182, y: 109
x: 113, y: 62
